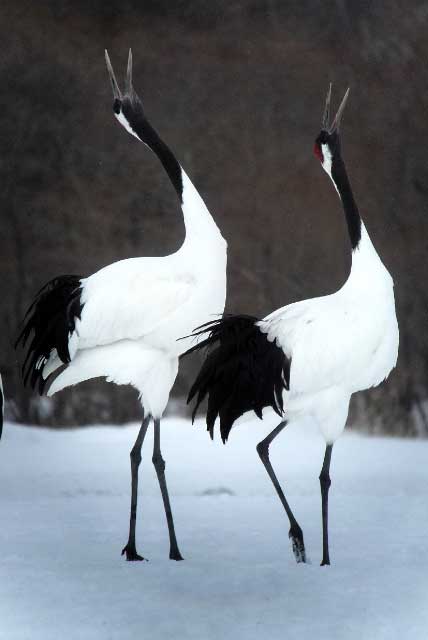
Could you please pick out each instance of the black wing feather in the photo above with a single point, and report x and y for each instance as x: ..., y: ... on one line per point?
x: 51, y: 318
x: 243, y: 371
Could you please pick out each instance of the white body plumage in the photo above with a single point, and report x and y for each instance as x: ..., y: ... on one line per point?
x: 340, y: 343
x: 135, y: 311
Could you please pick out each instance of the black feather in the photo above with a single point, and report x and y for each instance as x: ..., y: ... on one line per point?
x: 243, y: 371
x: 52, y: 319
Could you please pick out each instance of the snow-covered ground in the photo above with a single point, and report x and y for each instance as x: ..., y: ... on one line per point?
x: 64, y: 517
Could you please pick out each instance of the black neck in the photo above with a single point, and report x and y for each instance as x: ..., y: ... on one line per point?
x: 350, y: 208
x: 149, y: 136
x: 166, y: 157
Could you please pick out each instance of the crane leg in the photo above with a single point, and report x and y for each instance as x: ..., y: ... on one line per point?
x: 129, y: 549
x: 159, y: 464
x: 295, y: 533
x: 325, y: 483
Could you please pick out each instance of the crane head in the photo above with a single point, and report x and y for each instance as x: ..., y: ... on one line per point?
x: 327, y: 144
x: 127, y: 107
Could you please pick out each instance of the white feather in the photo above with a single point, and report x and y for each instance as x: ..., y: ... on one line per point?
x: 150, y: 371
x: 135, y: 311
x: 124, y: 122
x: 340, y: 343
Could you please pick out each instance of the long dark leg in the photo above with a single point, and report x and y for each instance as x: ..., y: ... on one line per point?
x: 295, y: 534
x: 135, y: 455
x: 325, y: 483
x: 159, y: 464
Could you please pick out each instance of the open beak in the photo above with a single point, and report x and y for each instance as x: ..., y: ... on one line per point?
x: 128, y: 78
x: 338, y: 117
x: 116, y: 91
x: 326, y: 115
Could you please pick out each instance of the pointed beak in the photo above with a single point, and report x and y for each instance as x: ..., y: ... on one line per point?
x: 326, y: 115
x: 338, y: 117
x: 116, y: 91
x: 128, y: 78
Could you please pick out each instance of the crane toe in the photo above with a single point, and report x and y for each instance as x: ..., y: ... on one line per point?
x: 131, y: 554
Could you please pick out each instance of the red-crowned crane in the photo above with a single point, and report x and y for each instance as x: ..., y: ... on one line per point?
x: 123, y: 322
x: 307, y: 358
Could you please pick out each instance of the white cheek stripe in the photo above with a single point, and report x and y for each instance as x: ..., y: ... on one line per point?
x: 326, y: 163
x: 124, y: 122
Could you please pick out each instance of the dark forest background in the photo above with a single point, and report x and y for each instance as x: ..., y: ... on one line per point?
x: 237, y: 90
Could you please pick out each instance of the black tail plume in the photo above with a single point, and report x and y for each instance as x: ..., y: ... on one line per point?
x: 52, y: 319
x: 243, y: 371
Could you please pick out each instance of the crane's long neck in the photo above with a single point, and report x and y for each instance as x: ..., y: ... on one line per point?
x: 150, y: 137
x: 365, y: 260
x: 198, y: 221
x: 340, y: 180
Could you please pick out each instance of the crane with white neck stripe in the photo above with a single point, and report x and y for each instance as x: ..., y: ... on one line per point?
x: 307, y: 358
x: 123, y: 322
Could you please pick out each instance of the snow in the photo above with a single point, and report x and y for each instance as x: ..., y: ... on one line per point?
x: 64, y: 514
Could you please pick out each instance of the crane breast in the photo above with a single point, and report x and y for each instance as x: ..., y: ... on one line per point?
x: 333, y: 343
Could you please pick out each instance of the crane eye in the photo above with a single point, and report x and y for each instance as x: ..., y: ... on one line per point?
x: 117, y: 105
